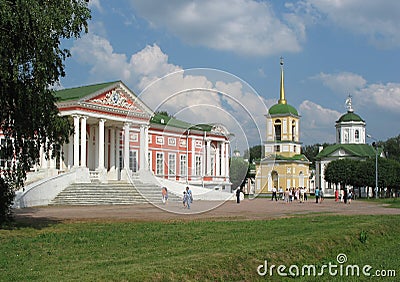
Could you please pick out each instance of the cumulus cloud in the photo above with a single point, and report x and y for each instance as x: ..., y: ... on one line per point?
x: 194, y: 95
x: 343, y: 82
x: 378, y: 20
x: 384, y: 96
x: 317, y: 123
x: 241, y: 26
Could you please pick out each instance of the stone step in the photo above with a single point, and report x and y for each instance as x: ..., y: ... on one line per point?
x: 113, y: 193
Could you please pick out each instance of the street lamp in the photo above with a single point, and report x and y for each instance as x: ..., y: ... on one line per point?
x: 374, y: 144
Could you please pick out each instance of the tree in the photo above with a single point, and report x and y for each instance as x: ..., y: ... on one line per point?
x: 238, y: 170
x: 392, y: 148
x: 31, y: 61
x: 311, y: 151
x: 254, y: 153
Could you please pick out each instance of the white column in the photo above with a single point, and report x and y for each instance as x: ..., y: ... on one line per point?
x: 70, y: 155
x: 208, y: 157
x: 227, y: 159
x: 126, y: 146
x: 83, y: 141
x: 101, y: 143
x: 193, y: 172
x: 146, y: 148
x: 76, y: 141
x: 96, y: 146
x: 223, y: 163
x: 107, y: 142
x: 217, y: 162
x: 112, y: 148
x: 143, y: 147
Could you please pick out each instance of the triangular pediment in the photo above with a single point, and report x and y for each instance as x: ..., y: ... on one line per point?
x: 117, y: 98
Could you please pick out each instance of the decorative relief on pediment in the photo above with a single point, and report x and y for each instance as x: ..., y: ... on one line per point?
x: 117, y: 99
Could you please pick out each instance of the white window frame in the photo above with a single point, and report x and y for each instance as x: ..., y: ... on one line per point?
x: 160, y: 140
x: 183, y: 165
x: 198, y: 164
x: 159, y: 162
x: 133, y: 160
x: 171, y: 141
x: 171, y: 164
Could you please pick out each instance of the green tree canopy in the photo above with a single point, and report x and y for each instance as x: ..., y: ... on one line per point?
x: 31, y: 61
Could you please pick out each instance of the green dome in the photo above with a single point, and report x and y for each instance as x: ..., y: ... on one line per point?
x: 283, y: 109
x: 350, y: 116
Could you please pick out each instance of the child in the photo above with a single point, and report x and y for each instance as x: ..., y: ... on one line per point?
x: 185, y: 199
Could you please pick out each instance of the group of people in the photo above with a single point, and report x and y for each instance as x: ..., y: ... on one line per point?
x: 187, y: 196
x: 290, y: 194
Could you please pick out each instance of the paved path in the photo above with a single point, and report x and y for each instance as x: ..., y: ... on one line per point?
x: 246, y: 210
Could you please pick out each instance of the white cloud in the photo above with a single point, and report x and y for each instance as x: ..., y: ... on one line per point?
x: 343, y: 82
x: 95, y: 4
x: 242, y: 26
x: 384, y: 96
x: 378, y: 20
x: 317, y: 123
x: 195, y: 95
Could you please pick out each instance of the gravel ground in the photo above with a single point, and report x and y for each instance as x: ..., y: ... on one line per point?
x: 247, y: 209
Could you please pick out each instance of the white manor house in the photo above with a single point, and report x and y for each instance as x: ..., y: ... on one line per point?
x: 118, y: 140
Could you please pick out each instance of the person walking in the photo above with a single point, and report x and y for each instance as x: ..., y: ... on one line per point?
x: 316, y: 195
x: 274, y: 194
x: 238, y: 195
x: 164, y: 192
x: 189, y: 197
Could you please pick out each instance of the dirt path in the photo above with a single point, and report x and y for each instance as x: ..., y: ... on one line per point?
x: 246, y: 210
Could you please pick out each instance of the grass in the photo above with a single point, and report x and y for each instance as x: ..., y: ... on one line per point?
x: 196, y: 250
x: 387, y: 202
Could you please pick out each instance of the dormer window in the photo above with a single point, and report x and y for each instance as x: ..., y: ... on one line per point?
x: 357, y: 135
x: 278, y: 128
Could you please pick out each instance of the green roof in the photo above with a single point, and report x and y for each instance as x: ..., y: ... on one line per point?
x: 76, y: 93
x: 350, y: 116
x: 173, y: 122
x: 356, y: 150
x: 278, y: 157
x: 283, y: 109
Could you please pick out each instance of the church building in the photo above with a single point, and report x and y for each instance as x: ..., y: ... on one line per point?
x: 350, y: 143
x: 283, y: 165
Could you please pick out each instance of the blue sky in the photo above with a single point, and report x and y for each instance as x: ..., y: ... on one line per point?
x: 218, y: 61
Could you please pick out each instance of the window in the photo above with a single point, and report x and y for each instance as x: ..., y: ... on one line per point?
x: 212, y: 165
x: 171, y: 164
x: 278, y: 128
x: 159, y: 163
x: 293, y: 130
x: 357, y: 135
x: 183, y: 165
x: 171, y: 141
x: 149, y: 160
x: 160, y: 140
x: 133, y: 160
x: 198, y: 165
x: 277, y: 148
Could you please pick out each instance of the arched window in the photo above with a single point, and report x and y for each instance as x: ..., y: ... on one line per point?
x: 275, y: 177
x: 278, y: 128
x: 357, y: 135
x: 293, y: 130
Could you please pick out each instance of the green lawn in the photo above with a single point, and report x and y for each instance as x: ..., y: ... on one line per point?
x: 196, y: 250
x: 388, y: 202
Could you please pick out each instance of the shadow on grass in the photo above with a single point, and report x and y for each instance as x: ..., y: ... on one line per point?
x: 24, y: 218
